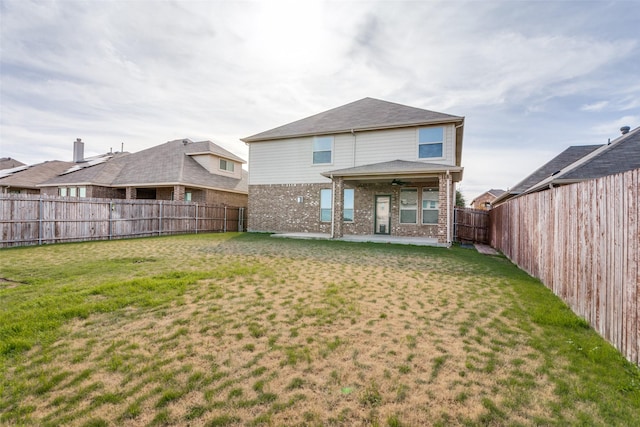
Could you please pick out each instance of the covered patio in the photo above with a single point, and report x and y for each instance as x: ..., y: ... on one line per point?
x: 396, y: 174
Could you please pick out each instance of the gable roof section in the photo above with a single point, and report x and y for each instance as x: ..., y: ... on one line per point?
x: 365, y: 114
x: 9, y: 163
x: 31, y: 176
x: 208, y: 147
x: 166, y: 164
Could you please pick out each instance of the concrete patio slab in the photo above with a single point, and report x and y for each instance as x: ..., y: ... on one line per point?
x: 373, y: 238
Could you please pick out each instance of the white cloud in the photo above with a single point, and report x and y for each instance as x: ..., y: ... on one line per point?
x: 142, y: 73
x: 596, y: 106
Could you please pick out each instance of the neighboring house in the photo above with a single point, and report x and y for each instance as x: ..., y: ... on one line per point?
x: 580, y: 163
x: 9, y: 163
x: 25, y: 179
x: 485, y: 200
x: 368, y: 167
x: 177, y: 170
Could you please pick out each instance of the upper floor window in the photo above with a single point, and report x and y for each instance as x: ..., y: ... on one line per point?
x: 430, y: 142
x: 322, y: 149
x: 226, y: 165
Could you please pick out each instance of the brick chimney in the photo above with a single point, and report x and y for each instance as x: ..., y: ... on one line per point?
x: 78, y: 151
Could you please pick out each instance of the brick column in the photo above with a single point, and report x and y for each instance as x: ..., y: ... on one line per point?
x: 445, y: 204
x: 338, y: 208
x: 131, y: 193
x: 178, y: 192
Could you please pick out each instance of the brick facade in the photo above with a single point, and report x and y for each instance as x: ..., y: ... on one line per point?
x: 295, y: 208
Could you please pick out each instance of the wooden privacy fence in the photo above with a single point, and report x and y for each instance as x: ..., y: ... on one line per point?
x: 471, y: 225
x: 581, y: 241
x: 35, y: 220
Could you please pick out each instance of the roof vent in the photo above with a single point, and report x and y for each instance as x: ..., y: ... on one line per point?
x: 625, y: 129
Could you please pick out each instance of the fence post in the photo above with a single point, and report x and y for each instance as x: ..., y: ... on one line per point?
x: 224, y: 226
x: 240, y: 219
x: 160, y: 219
x: 111, y: 206
x: 40, y: 213
x: 196, y: 206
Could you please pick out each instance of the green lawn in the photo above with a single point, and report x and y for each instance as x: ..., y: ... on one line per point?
x: 242, y: 329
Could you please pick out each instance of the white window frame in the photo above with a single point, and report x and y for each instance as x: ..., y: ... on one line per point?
x: 415, y: 208
x: 319, y: 139
x: 352, y: 199
x: 323, y: 207
x: 430, y: 142
x: 62, y: 191
x: 436, y: 191
x: 227, y: 163
x: 82, y: 191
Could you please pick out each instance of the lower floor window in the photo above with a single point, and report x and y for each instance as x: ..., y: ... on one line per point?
x: 430, y: 205
x: 72, y: 191
x: 325, y: 204
x: 348, y: 204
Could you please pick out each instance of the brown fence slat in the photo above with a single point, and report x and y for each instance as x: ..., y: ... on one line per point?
x: 471, y: 225
x: 582, y: 242
x: 34, y: 219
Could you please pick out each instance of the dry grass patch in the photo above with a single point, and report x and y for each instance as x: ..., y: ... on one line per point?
x: 248, y: 330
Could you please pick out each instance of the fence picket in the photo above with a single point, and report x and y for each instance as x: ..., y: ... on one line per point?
x: 34, y: 219
x: 582, y: 242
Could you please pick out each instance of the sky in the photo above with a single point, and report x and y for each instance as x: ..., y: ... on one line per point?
x: 530, y: 77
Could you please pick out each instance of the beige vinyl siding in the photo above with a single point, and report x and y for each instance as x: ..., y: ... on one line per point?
x: 290, y: 161
x: 399, y: 144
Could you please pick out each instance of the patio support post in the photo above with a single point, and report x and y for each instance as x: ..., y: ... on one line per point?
x: 338, y: 208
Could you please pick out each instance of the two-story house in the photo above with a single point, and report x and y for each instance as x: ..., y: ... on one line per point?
x: 368, y: 167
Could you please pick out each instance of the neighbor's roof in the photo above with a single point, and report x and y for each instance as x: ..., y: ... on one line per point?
x: 170, y: 163
x: 31, y: 176
x: 494, y: 192
x: 9, y: 163
x: 620, y: 155
x: 365, y: 114
x: 394, y: 169
x: 562, y: 160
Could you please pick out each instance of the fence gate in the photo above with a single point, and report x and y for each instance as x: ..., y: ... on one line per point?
x: 470, y: 225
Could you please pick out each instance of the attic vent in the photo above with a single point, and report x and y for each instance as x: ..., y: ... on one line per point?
x: 625, y: 129
x: 185, y: 141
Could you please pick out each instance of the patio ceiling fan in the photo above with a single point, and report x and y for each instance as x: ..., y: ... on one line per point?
x: 397, y: 182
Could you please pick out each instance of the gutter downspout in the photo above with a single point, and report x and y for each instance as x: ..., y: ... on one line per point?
x: 333, y: 190
x: 449, y: 237
x: 355, y: 139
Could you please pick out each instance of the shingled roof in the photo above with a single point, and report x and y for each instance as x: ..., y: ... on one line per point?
x: 365, y: 114
x: 396, y: 169
x: 170, y: 163
x: 9, y: 163
x: 554, y: 165
x: 31, y: 176
x: 620, y: 155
